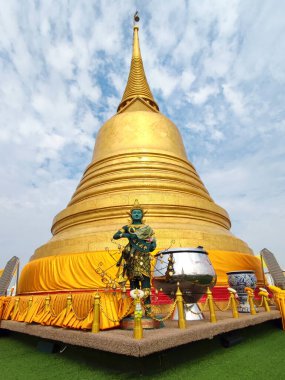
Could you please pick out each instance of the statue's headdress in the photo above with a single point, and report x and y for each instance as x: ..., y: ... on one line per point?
x: 137, y: 206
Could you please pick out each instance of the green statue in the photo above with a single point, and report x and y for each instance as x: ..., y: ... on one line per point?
x: 136, y: 257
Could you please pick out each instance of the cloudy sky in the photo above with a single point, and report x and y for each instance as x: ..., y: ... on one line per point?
x: 216, y: 68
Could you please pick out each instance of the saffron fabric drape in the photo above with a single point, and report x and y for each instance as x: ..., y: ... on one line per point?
x: 83, y: 271
x: 54, y: 310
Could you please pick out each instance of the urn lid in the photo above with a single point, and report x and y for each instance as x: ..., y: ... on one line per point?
x: 241, y: 271
x: 183, y: 249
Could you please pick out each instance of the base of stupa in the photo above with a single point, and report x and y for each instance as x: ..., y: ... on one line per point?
x: 82, y: 271
x: 122, y: 341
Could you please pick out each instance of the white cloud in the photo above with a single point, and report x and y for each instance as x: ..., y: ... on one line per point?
x: 202, y: 95
x: 186, y: 80
x: 235, y: 99
x: 261, y: 53
x: 61, y: 59
x: 163, y: 80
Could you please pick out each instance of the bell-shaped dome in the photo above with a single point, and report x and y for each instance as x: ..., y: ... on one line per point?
x: 138, y: 154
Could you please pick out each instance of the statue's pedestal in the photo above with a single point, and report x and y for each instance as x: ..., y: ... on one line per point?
x: 147, y: 323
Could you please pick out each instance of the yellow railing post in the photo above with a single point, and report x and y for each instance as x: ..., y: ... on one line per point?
x: 263, y: 293
x: 279, y: 296
x: 30, y: 303
x: 138, y: 330
x: 16, y: 307
x: 47, y: 303
x: 180, y: 308
x: 233, y: 302
x: 96, y: 314
x: 68, y: 302
x: 213, y: 317
x: 276, y: 291
x: 281, y: 301
x: 250, y: 295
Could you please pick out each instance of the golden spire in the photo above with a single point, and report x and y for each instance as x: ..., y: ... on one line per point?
x: 137, y: 86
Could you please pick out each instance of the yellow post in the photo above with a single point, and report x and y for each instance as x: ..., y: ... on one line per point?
x: 250, y: 295
x: 279, y: 297
x: 68, y: 302
x: 96, y: 314
x: 264, y: 298
x: 47, y: 302
x: 138, y: 330
x: 180, y: 308
x: 233, y: 303
x: 213, y: 317
x: 30, y: 302
x: 276, y: 291
x: 16, y: 307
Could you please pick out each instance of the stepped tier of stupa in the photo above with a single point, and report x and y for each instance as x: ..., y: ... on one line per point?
x: 138, y: 154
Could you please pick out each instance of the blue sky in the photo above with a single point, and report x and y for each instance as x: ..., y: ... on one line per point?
x: 216, y: 68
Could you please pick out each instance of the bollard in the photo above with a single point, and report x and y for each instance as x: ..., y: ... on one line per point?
x: 96, y: 314
x: 233, y: 302
x: 264, y: 299
x: 213, y: 318
x: 47, y: 303
x: 68, y: 302
x: 279, y: 296
x: 30, y: 303
x: 137, y: 295
x: 180, y: 308
x: 138, y: 330
x: 16, y: 307
x: 250, y: 295
x: 276, y: 291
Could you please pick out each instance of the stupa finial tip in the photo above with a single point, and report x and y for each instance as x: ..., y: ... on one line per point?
x: 136, y: 18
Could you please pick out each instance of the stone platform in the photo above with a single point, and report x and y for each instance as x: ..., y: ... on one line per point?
x: 122, y: 342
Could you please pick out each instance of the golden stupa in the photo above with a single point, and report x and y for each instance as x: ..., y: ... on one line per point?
x: 138, y: 154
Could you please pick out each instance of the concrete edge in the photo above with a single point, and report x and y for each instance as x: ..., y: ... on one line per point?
x: 122, y: 341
